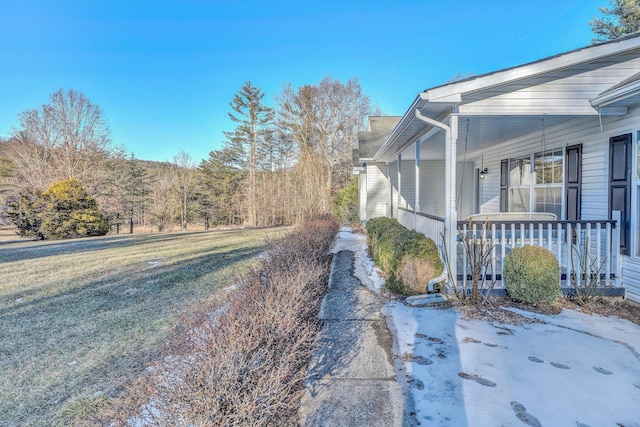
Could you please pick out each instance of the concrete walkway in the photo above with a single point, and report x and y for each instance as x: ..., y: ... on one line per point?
x: 351, y: 380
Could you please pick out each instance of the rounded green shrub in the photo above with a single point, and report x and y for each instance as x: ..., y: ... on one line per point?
x: 375, y: 227
x: 409, y: 258
x: 531, y: 274
x: 390, y: 247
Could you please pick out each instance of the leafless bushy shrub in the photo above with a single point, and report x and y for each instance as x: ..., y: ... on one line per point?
x: 242, y: 361
x: 415, y: 272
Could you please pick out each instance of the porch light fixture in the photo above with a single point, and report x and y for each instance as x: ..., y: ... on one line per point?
x: 483, y: 173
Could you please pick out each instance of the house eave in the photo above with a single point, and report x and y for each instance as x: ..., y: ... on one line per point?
x: 616, y: 95
x: 561, y: 61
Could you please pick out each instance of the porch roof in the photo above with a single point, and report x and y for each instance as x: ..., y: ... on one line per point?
x: 555, y: 88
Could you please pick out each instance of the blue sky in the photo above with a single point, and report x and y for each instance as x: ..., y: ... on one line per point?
x: 164, y: 71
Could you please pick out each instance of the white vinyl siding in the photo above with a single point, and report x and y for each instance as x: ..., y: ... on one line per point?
x: 362, y: 196
x: 377, y: 190
x: 394, y: 189
x: 408, y: 185
x: 432, y: 187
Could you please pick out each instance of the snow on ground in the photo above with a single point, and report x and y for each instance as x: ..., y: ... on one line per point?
x: 574, y: 370
x: 364, y: 269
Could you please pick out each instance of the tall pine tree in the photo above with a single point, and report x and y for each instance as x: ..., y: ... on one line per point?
x: 253, y: 119
x: 135, y: 189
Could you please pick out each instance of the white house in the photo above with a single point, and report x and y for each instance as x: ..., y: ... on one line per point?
x: 559, y: 135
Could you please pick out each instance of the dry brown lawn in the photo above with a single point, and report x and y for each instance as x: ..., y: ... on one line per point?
x: 80, y: 318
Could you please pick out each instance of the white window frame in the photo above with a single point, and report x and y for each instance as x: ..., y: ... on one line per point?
x: 532, y: 185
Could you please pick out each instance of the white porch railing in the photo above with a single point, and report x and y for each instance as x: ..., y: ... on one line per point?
x: 429, y: 225
x: 599, y: 238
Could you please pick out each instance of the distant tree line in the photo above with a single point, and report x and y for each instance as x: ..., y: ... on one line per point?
x: 277, y: 166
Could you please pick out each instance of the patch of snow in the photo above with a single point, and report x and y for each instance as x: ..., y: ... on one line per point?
x: 474, y: 373
x: 363, y: 268
x: 347, y: 240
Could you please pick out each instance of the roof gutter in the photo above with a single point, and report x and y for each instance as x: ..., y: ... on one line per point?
x: 617, y: 94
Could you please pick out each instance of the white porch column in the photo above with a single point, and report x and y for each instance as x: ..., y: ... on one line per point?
x: 399, y: 179
x: 390, y: 198
x: 451, y: 213
x: 417, y: 209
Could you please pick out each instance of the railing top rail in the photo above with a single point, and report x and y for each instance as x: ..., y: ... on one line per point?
x: 426, y: 215
x: 564, y: 223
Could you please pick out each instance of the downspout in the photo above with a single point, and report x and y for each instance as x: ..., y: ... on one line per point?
x: 450, y: 217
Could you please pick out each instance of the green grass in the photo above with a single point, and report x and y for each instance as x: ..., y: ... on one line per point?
x: 79, y: 318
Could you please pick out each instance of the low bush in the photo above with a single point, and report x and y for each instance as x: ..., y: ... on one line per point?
x: 531, y: 274
x: 344, y: 204
x: 409, y: 258
x: 375, y: 227
x: 242, y: 361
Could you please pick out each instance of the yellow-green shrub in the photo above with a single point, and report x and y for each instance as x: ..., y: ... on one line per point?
x: 531, y: 274
x: 375, y: 227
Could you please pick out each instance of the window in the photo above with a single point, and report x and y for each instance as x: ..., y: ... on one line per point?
x: 537, y: 188
x: 548, y: 182
x: 519, y: 184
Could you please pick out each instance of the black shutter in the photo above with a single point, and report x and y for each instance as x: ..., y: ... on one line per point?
x: 620, y: 186
x: 574, y: 182
x: 504, y: 185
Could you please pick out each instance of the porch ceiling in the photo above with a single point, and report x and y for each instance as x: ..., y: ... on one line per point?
x: 483, y: 132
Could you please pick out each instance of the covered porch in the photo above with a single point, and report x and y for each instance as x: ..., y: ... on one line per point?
x: 554, y: 136
x: 452, y: 184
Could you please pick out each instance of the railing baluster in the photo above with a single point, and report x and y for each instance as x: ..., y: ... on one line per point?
x: 464, y: 256
x: 598, y: 244
x: 569, y: 237
x: 521, y: 234
x: 503, y: 244
x: 608, y: 251
x: 531, y: 234
x: 550, y: 237
x: 493, y: 251
x: 578, y: 251
x: 559, y: 243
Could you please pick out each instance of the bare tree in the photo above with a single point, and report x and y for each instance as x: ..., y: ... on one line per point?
x: 163, y: 205
x: 184, y: 181
x: 64, y: 139
x: 326, y: 119
x: 342, y: 111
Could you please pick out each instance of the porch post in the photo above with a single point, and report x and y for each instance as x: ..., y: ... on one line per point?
x: 451, y: 214
x: 615, y: 246
x: 399, y: 179
x: 390, y: 202
x: 417, y: 181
